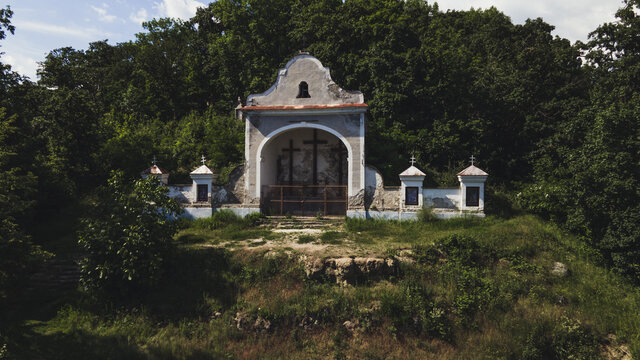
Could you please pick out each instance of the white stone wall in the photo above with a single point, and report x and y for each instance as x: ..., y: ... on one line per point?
x: 181, y: 192
x: 443, y: 198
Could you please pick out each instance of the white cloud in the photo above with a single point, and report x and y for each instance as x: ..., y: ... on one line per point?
x: 179, y: 9
x: 139, y: 16
x: 49, y: 29
x: 22, y: 64
x: 102, y: 13
x: 573, y: 19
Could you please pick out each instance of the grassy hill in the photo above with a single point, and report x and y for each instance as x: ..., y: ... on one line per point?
x: 463, y: 289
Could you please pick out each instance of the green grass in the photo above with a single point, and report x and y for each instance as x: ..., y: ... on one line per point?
x: 305, y: 239
x: 332, y: 237
x: 480, y: 288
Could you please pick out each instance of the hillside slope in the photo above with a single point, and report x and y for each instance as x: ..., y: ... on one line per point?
x: 463, y: 289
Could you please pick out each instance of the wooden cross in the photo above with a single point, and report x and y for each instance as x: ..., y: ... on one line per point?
x: 290, y: 150
x: 340, y: 150
x: 315, y: 143
x: 473, y: 158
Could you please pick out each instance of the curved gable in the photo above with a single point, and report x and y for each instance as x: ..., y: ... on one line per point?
x: 321, y: 89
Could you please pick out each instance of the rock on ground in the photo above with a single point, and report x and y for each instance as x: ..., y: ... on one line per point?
x: 347, y: 270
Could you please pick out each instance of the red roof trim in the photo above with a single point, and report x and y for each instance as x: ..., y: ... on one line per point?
x: 303, y: 107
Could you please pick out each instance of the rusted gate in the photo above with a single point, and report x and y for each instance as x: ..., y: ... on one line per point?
x: 305, y: 200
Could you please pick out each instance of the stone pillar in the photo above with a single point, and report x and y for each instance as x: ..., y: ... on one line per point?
x: 205, y: 177
x: 411, y: 185
x: 472, y: 181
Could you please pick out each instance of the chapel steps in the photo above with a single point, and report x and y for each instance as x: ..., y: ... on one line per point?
x: 304, y: 222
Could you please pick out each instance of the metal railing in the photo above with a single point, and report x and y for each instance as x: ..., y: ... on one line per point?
x: 306, y: 200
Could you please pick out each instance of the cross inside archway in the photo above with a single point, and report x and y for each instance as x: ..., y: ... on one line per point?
x: 290, y: 150
x: 315, y: 142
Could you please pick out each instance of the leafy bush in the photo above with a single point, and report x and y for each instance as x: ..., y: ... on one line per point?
x: 415, y: 309
x: 128, y: 236
x: 464, y: 250
x: 566, y: 339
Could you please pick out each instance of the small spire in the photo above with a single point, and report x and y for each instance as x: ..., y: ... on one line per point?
x: 413, y: 160
x: 203, y: 160
x: 155, y: 161
x: 239, y: 105
x: 473, y: 158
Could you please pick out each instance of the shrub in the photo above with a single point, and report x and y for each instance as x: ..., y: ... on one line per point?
x: 414, y: 308
x: 254, y: 218
x: 464, y: 249
x: 567, y: 339
x: 128, y: 236
x: 223, y: 218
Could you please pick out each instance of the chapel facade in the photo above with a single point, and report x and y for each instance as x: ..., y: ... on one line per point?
x: 305, y: 156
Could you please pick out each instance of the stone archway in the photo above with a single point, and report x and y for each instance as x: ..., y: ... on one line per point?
x: 304, y: 169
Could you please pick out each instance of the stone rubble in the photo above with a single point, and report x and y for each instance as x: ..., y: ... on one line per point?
x: 347, y: 270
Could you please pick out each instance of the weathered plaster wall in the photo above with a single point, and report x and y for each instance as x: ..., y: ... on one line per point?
x: 197, y: 212
x: 232, y: 192
x: 446, y: 198
x: 378, y: 196
x: 183, y: 193
x: 322, y: 89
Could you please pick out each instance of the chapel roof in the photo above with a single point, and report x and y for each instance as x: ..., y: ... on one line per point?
x: 154, y: 170
x: 202, y: 170
x: 472, y: 171
x: 412, y: 171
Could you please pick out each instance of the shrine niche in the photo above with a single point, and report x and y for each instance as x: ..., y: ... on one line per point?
x: 304, y: 144
x: 305, y: 156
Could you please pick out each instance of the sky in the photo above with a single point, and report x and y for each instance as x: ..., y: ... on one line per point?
x: 44, y: 25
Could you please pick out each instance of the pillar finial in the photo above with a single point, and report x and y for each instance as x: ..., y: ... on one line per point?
x: 473, y: 158
x: 413, y: 160
x: 155, y: 161
x: 203, y: 160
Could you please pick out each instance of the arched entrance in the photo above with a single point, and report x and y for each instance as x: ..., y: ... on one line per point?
x: 304, y: 171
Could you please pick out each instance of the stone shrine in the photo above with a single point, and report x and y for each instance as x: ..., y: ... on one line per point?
x: 305, y: 156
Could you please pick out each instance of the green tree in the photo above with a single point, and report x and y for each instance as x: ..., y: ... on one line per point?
x: 587, y: 175
x: 18, y: 255
x: 128, y: 237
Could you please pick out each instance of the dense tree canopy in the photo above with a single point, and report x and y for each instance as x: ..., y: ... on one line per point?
x: 555, y: 121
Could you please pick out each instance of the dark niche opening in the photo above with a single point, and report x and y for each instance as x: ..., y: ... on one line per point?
x: 203, y: 193
x: 303, y: 90
x: 473, y: 196
x: 411, y: 196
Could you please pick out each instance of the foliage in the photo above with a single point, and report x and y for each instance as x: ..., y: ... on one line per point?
x: 128, y: 237
x: 587, y: 175
x: 5, y: 22
x: 18, y: 256
x: 224, y: 218
x: 441, y: 85
x: 434, y: 308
